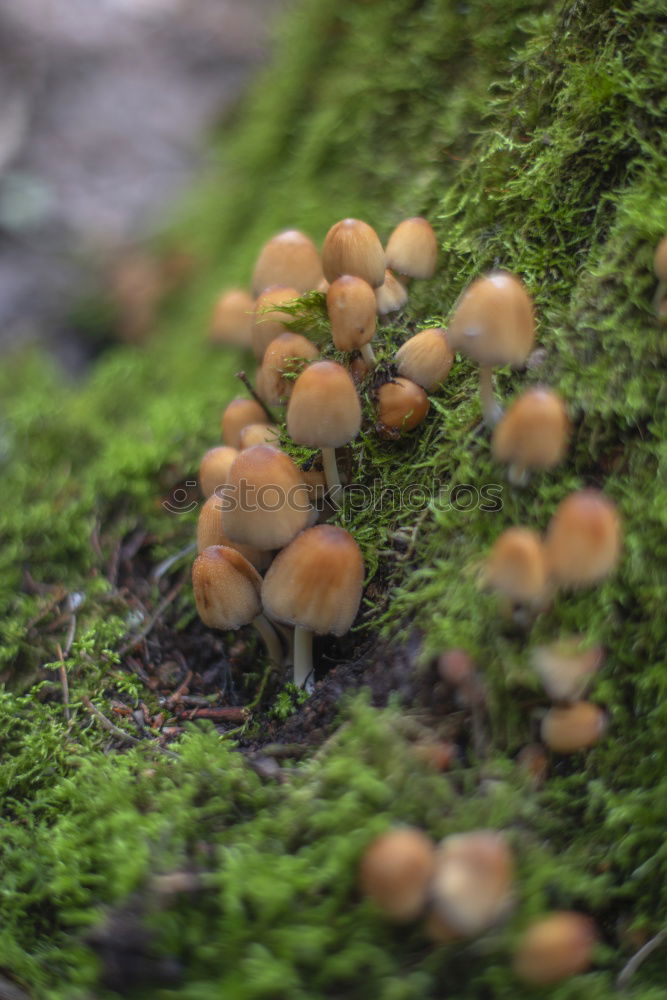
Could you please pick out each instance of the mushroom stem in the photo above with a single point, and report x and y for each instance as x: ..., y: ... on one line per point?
x: 331, y: 476
x: 518, y: 475
x: 368, y: 355
x: 492, y: 410
x: 303, y: 655
x: 271, y: 640
x: 660, y: 301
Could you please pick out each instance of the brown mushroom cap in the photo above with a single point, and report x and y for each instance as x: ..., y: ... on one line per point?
x: 267, y: 322
x: 289, y: 259
x: 324, y: 409
x: 534, y: 431
x: 413, y: 248
x: 210, y: 532
x: 583, y: 540
x: 401, y: 404
x: 391, y: 295
x: 493, y: 321
x: 253, y: 434
x: 472, y: 886
x: 351, y: 309
x: 395, y: 872
x: 660, y: 260
x: 226, y: 588
x: 214, y: 468
x: 316, y: 581
x: 353, y: 247
x: 555, y: 947
x: 517, y: 566
x: 267, y: 499
x: 426, y: 358
x: 577, y: 727
x: 567, y: 667
x: 231, y: 322
x: 284, y: 355
x: 237, y: 415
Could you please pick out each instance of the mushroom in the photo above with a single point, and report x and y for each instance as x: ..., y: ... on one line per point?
x: 286, y: 355
x: 266, y: 502
x: 289, y: 259
x: 395, y: 872
x: 583, y: 540
x: 391, y: 295
x: 237, y: 415
x: 351, y: 309
x: 517, y: 568
x: 472, y: 885
x: 567, y: 667
x: 210, y: 532
x: 353, y: 247
x: 324, y: 412
x: 426, y: 358
x: 268, y: 320
x: 660, y: 268
x: 401, y: 406
x: 577, y: 727
x: 232, y: 318
x: 227, y: 590
x: 412, y: 248
x: 315, y: 585
x: 214, y: 468
x: 493, y: 324
x: 262, y: 433
x: 532, y: 434
x: 554, y: 948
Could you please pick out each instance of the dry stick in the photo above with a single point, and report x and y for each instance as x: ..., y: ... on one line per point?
x: 229, y: 714
x: 120, y: 733
x: 164, y: 603
x: 629, y: 970
x: 180, y: 690
x: 63, y: 683
x: 248, y: 384
x: 167, y: 563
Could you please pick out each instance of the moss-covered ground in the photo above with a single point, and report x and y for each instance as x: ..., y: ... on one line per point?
x: 534, y: 136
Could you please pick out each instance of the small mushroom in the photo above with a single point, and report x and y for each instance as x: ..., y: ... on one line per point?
x: 227, y: 590
x: 517, y: 568
x: 315, y: 585
x: 583, y: 539
x: 351, y: 309
x: 231, y: 322
x: 214, y: 468
x: 426, y: 358
x: 567, y: 667
x: 210, y: 532
x: 269, y: 320
x: 391, y: 296
x: 660, y: 268
x: 532, y: 434
x: 290, y: 260
x: 554, y: 948
x: 577, y: 727
x: 412, y: 248
x: 473, y: 881
x: 285, y: 355
x: 261, y: 433
x: 353, y: 247
x: 401, y: 406
x: 493, y: 324
x: 237, y: 415
x: 395, y: 872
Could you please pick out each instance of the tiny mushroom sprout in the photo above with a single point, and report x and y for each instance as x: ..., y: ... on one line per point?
x: 583, y: 540
x: 401, y: 406
x: 532, y: 434
x: 493, y: 324
x: 266, y: 502
x: 473, y: 884
x: 391, y: 295
x: 237, y: 415
x: 517, y: 568
x: 353, y: 247
x: 285, y: 355
x: 227, y: 590
x: 268, y: 319
x: 660, y: 268
x: 210, y: 532
x: 232, y: 318
x: 214, y: 468
x: 573, y: 728
x: 555, y: 947
x: 351, y: 308
x: 567, y: 667
x: 426, y: 358
x: 324, y: 412
x: 289, y: 259
x: 412, y: 248
x: 315, y: 585
x: 396, y: 871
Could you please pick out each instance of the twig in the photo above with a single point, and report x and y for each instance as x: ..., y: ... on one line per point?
x: 63, y: 683
x: 248, y: 384
x: 120, y: 733
x: 218, y: 714
x: 164, y: 603
x: 629, y: 970
x: 180, y: 690
x: 170, y: 561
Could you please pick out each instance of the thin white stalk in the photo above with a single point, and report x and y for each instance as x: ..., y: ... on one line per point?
x: 368, y: 355
x: 303, y: 655
x: 491, y: 409
x: 271, y: 640
x: 331, y: 476
x: 518, y: 475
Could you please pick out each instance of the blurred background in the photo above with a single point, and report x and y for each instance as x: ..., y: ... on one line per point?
x: 105, y: 106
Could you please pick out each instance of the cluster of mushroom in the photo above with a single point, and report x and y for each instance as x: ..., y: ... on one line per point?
x: 463, y: 888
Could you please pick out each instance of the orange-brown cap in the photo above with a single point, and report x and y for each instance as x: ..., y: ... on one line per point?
x: 286, y: 354
x: 426, y: 358
x: 401, y: 404
x: 231, y: 322
x: 214, y: 468
x: 266, y: 503
x: 391, y: 295
x: 577, y: 727
x: 554, y: 948
x: 226, y: 588
x: 210, y: 532
x: 567, y: 667
x: 253, y: 434
x: 493, y: 321
x: 269, y: 320
x: 353, y: 247
x: 583, y: 539
x: 472, y: 886
x: 237, y: 415
x: 660, y: 260
x: 289, y: 259
x: 316, y: 581
x: 517, y: 567
x: 533, y: 433
x: 395, y: 872
x: 351, y: 309
x: 324, y: 409
x: 413, y: 248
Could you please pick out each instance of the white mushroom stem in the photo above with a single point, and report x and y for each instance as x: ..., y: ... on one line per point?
x: 271, y: 640
x: 491, y: 409
x: 368, y: 355
x: 303, y: 655
x: 518, y: 475
x: 331, y: 476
